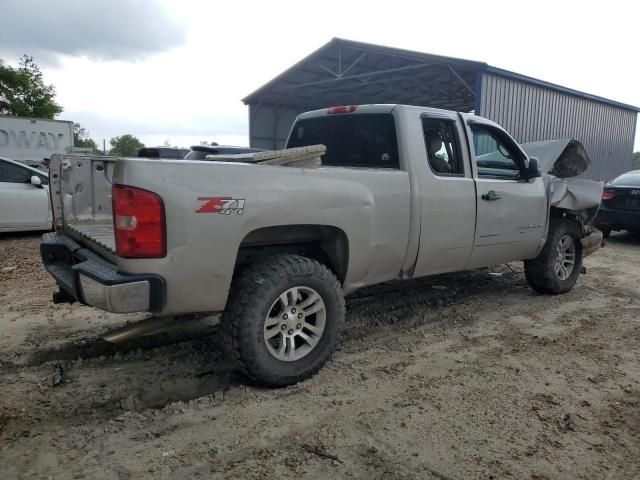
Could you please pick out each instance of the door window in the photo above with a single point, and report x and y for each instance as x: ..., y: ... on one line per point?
x: 495, y: 156
x: 11, y: 173
x: 442, y: 148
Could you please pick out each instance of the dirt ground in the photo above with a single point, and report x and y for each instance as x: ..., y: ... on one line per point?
x: 459, y: 376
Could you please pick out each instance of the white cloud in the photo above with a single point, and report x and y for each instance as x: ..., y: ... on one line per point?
x: 232, y: 48
x: 101, y: 30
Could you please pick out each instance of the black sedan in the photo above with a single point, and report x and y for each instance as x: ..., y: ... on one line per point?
x: 620, y: 207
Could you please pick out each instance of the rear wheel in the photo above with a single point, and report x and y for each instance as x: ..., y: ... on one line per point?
x: 557, y: 267
x: 283, y: 319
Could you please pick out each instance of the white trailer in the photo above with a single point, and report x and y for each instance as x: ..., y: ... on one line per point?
x: 31, y: 140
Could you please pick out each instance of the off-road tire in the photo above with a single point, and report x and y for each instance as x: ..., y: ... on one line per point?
x: 540, y: 272
x: 253, y: 291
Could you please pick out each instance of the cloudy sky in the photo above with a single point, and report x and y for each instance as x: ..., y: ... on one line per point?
x: 176, y: 69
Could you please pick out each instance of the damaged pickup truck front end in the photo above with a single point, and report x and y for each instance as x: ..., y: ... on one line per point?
x: 560, y: 162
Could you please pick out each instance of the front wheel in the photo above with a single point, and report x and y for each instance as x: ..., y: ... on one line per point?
x: 283, y: 319
x: 557, y: 267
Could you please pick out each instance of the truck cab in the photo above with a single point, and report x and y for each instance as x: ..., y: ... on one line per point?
x: 475, y: 201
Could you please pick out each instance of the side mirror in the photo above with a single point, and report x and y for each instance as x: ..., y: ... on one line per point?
x: 35, y: 181
x: 533, y: 170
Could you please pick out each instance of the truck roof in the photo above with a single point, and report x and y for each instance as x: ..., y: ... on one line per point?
x: 389, y: 108
x: 373, y: 108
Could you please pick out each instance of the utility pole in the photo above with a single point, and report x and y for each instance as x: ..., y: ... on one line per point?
x: 104, y: 146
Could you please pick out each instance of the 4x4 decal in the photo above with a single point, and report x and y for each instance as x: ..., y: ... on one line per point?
x: 223, y: 205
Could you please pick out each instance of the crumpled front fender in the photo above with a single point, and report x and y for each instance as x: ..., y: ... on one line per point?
x: 560, y: 161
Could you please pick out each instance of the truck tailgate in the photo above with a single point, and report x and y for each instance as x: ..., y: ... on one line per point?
x: 81, y: 199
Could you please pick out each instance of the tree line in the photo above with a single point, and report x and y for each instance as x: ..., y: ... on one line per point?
x: 24, y: 93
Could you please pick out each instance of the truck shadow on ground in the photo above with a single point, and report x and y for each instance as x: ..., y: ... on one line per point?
x: 187, y: 364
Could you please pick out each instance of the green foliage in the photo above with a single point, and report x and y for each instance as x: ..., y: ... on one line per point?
x: 125, y: 145
x: 81, y: 138
x: 23, y: 91
x: 635, y: 161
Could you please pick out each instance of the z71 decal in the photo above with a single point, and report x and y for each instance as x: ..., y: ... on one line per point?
x: 223, y: 205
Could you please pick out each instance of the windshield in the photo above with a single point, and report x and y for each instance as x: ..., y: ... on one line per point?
x: 362, y: 140
x: 630, y: 179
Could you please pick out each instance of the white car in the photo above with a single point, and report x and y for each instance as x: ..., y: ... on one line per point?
x: 24, y: 198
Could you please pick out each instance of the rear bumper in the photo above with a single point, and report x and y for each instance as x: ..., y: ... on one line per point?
x: 86, y: 277
x: 618, y: 219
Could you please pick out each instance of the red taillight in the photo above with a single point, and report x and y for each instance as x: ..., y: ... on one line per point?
x: 606, y: 195
x: 139, y: 223
x: 342, y: 109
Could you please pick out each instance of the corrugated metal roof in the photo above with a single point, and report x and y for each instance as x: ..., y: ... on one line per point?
x: 332, y: 48
x: 348, y: 71
x: 322, y: 70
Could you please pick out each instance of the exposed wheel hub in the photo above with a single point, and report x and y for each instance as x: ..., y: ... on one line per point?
x: 291, y: 319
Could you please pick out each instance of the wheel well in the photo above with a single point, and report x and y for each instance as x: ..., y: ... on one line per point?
x: 326, y: 244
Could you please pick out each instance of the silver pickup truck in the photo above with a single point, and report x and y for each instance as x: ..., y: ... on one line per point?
x: 401, y: 192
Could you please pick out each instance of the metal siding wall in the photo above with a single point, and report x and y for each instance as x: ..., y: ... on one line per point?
x: 260, y: 133
x: 269, y: 126
x: 532, y: 113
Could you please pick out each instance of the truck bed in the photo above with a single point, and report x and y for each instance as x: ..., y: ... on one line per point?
x: 98, y: 234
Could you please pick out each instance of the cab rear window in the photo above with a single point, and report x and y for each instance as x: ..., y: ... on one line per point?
x: 360, y: 140
x: 169, y: 153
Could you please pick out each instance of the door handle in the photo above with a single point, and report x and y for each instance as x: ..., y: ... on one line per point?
x: 491, y: 196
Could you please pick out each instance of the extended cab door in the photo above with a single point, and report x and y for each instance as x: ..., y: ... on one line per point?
x: 511, y: 210
x: 447, y: 194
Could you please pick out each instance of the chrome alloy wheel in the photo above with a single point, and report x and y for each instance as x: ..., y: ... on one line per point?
x: 565, y: 257
x: 295, y: 323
